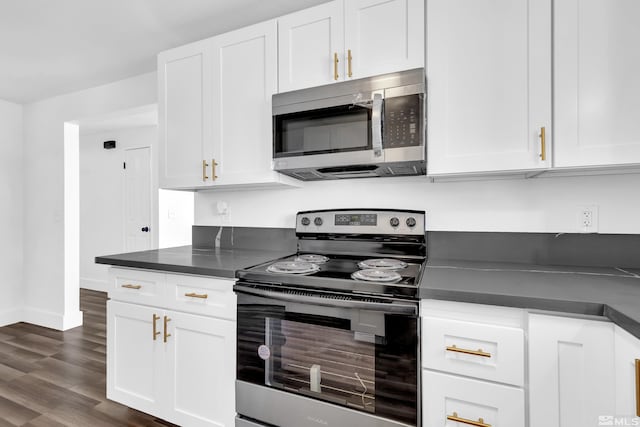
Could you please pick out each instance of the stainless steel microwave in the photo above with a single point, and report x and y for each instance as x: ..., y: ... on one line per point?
x: 361, y: 128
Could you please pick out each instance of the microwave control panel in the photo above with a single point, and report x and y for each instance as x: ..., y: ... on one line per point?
x: 402, y: 123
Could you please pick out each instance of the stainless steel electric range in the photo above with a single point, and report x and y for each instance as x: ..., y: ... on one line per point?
x: 330, y: 335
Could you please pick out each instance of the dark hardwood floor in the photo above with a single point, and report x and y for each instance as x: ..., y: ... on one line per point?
x: 52, y: 378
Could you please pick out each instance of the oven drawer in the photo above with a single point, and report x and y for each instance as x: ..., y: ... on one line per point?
x: 137, y: 286
x: 210, y: 296
x: 480, y: 350
x: 455, y: 401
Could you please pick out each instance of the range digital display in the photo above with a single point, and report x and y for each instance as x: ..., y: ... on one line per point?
x: 356, y: 219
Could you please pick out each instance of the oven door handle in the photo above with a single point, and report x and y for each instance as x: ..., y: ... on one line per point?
x: 393, y: 307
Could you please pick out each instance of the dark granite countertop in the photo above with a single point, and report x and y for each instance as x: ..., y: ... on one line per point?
x: 220, y: 262
x: 609, y: 292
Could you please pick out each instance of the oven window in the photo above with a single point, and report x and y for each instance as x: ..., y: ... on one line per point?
x: 330, y: 359
x: 327, y: 130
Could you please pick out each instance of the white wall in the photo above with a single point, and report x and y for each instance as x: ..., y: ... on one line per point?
x: 51, y: 282
x: 511, y: 205
x: 175, y: 218
x: 102, y: 221
x: 11, y: 214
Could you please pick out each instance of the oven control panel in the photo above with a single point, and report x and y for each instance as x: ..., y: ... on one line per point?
x: 351, y: 221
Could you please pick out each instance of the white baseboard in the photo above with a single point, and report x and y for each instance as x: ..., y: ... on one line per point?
x: 94, y: 284
x: 49, y: 319
x: 10, y: 316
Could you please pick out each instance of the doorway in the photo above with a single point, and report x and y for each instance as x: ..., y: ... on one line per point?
x: 137, y: 199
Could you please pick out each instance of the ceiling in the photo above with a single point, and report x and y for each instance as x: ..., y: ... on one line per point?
x: 49, y: 48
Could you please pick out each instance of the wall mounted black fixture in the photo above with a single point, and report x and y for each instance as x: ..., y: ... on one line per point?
x: 109, y: 145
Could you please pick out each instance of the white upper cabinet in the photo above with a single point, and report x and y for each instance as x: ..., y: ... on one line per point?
x: 597, y: 82
x: 383, y: 36
x: 215, y: 110
x: 244, y: 79
x: 309, y: 42
x: 342, y: 40
x: 184, y: 114
x: 489, y: 85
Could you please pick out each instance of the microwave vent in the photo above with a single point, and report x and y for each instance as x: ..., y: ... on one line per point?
x: 310, y: 175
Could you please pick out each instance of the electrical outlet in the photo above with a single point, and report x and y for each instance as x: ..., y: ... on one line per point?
x: 588, y: 219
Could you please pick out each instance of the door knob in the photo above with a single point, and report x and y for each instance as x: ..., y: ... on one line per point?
x: 145, y: 229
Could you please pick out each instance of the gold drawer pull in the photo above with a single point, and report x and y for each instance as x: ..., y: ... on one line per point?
x: 194, y: 295
x: 155, y: 332
x: 543, y: 144
x: 349, y: 59
x: 130, y: 286
x: 166, y: 335
x: 204, y: 170
x: 638, y: 387
x: 335, y: 66
x: 478, y: 352
x: 457, y: 419
x: 213, y: 169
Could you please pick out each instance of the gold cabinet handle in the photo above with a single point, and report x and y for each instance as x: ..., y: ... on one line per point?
x: 213, y: 169
x: 543, y: 144
x: 130, y: 286
x: 166, y: 335
x: 349, y: 59
x: 204, y: 170
x: 638, y: 387
x: 335, y: 66
x: 457, y: 419
x: 194, y: 295
x: 155, y: 331
x: 478, y: 352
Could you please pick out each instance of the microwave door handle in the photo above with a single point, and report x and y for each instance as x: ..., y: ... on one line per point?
x: 376, y: 125
x: 396, y: 308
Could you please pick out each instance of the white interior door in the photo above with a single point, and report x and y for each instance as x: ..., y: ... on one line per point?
x: 137, y: 199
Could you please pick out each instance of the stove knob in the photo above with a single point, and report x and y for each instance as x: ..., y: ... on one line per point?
x: 394, y: 222
x: 411, y: 221
x: 317, y: 221
x: 305, y: 221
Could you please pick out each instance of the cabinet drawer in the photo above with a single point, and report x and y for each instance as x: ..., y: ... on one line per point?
x: 479, y: 350
x: 448, y: 400
x: 142, y: 287
x: 209, y: 296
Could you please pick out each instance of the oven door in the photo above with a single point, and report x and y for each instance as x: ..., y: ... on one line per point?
x: 305, y: 358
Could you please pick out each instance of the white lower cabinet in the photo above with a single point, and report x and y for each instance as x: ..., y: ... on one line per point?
x: 175, y: 365
x: 473, y: 365
x: 453, y: 401
x: 627, y: 374
x: 135, y: 369
x: 571, y: 371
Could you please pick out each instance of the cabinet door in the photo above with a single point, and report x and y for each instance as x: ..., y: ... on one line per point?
x: 489, y: 85
x: 597, y: 82
x: 449, y: 400
x: 134, y: 357
x: 307, y: 44
x: 627, y: 374
x: 184, y: 115
x: 383, y: 36
x: 201, y: 370
x: 571, y: 371
x: 245, y: 77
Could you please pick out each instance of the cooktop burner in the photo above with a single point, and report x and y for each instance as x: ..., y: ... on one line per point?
x: 313, y: 258
x: 382, y: 264
x: 293, y: 267
x: 377, y: 275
